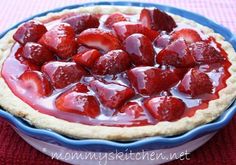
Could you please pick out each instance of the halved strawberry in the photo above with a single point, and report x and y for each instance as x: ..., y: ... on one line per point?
x: 36, y: 53
x: 30, y: 31
x: 140, y: 49
x: 63, y: 74
x: 165, y: 108
x: 204, y: 53
x: 99, y: 39
x: 195, y: 83
x: 113, y: 18
x: 125, y: 29
x: 150, y: 80
x: 162, y: 41
x: 78, y: 101
x: 157, y: 20
x: 82, y: 21
x: 36, y: 82
x: 176, y: 54
x: 88, y: 58
x: 25, y: 62
x: 112, y: 95
x: 61, y: 40
x: 189, y: 35
x: 132, y: 109
x: 113, y: 62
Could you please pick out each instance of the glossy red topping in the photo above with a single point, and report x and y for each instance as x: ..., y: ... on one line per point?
x: 29, y: 32
x: 115, y: 70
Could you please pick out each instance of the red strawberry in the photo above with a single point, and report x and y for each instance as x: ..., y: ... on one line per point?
x: 110, y: 94
x: 27, y: 63
x: 165, y: 108
x: 113, y: 62
x: 36, y: 53
x: 125, y: 29
x: 35, y: 81
x: 150, y: 80
x: 204, y: 53
x: 30, y: 31
x: 63, y: 74
x: 140, y: 49
x: 61, y: 40
x: 99, y: 39
x: 132, y: 109
x: 88, y: 58
x: 176, y: 54
x: 81, y: 22
x: 78, y: 101
x: 189, y: 35
x: 162, y: 41
x: 114, y: 18
x: 157, y: 20
x: 195, y: 83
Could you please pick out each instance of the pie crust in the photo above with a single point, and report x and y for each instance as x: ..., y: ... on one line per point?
x: 17, y: 107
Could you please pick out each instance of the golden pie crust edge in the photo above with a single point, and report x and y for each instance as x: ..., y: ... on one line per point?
x: 17, y: 107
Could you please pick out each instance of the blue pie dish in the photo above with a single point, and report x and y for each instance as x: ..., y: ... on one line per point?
x: 48, y: 141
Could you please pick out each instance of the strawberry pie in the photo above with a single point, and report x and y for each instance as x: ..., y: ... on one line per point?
x: 116, y: 73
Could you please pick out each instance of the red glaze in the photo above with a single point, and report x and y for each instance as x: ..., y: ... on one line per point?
x: 101, y: 85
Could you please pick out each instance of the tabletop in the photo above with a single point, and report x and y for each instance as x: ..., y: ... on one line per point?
x: 221, y: 149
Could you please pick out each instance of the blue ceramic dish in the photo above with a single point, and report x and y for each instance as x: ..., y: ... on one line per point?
x: 153, y: 143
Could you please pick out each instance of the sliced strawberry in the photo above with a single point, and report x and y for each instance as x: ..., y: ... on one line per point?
x: 132, y: 109
x: 195, y: 83
x: 140, y: 49
x: 165, y: 108
x: 35, y: 81
x: 157, y: 20
x: 204, y: 53
x: 113, y: 62
x: 99, y: 39
x: 150, y: 80
x: 27, y: 63
x: 37, y: 53
x: 176, y: 54
x: 78, y: 101
x: 88, y: 58
x: 162, y: 41
x: 113, y: 18
x: 63, y: 74
x: 110, y: 94
x: 125, y: 29
x: 189, y: 35
x: 30, y: 31
x: 61, y: 40
x: 81, y: 22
